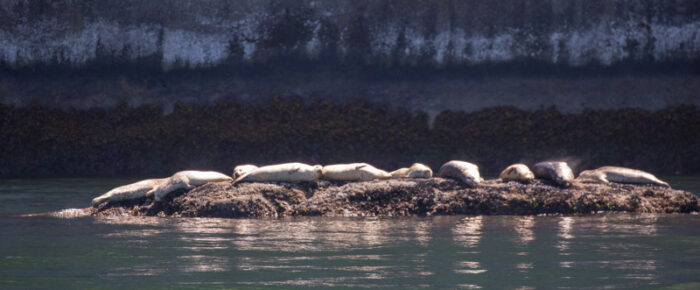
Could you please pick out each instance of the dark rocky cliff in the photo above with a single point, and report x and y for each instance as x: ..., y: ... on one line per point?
x: 421, y: 55
x: 189, y: 33
x: 126, y: 87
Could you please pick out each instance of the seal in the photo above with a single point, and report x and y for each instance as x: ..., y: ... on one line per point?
x: 559, y: 172
x: 241, y: 170
x: 286, y: 172
x: 517, y: 172
x: 607, y: 174
x: 135, y: 190
x: 353, y: 172
x: 187, y: 179
x: 417, y: 170
x: 462, y: 171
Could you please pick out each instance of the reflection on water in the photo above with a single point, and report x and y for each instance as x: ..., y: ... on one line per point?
x: 565, y: 235
x: 468, y: 231
x: 511, y: 252
x: 524, y: 226
x: 472, y: 252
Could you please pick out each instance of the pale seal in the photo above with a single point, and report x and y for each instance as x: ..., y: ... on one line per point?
x: 135, y: 190
x: 187, y: 179
x: 353, y: 172
x: 417, y: 170
x: 559, y: 172
x: 607, y: 174
x: 462, y: 171
x: 286, y: 172
x: 241, y: 170
x: 517, y: 172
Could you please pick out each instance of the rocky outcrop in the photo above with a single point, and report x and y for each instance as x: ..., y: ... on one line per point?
x: 404, y: 197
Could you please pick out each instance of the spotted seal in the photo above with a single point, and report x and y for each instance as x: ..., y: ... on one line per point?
x: 607, y: 174
x: 134, y: 190
x: 558, y: 172
x: 463, y: 171
x: 517, y: 172
x: 353, y: 172
x: 417, y: 170
x: 187, y: 179
x: 286, y: 172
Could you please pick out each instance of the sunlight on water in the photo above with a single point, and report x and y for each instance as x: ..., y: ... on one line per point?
x: 468, y: 231
x: 470, y: 252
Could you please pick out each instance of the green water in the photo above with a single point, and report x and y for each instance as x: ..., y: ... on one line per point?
x: 611, y: 250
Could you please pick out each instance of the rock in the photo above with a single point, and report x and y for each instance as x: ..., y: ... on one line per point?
x: 403, y: 197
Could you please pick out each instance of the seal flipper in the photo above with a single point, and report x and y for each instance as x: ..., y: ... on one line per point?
x: 241, y: 178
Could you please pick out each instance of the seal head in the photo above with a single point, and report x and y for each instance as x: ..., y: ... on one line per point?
x: 241, y: 170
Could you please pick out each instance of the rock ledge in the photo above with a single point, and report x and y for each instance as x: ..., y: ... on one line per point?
x: 404, y: 197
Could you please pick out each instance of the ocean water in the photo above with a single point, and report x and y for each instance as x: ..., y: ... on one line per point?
x: 526, y: 252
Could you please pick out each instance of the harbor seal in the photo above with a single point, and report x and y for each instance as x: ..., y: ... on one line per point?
x: 353, y: 172
x: 517, y: 172
x: 417, y: 170
x: 241, y: 170
x: 607, y: 174
x: 286, y: 172
x: 465, y: 172
x: 134, y: 190
x: 187, y: 179
x: 559, y: 172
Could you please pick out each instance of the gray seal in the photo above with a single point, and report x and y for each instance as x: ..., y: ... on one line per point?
x: 607, y: 174
x: 187, y: 179
x: 353, y: 172
x: 134, y: 190
x: 559, y: 172
x: 417, y: 170
x: 517, y: 172
x: 465, y: 172
x: 286, y: 172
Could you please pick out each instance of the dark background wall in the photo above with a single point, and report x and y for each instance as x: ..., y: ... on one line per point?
x: 149, y: 87
x: 428, y: 55
x: 193, y: 33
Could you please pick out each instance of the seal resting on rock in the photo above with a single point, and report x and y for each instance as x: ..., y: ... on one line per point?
x: 417, y: 170
x: 517, y: 172
x: 241, y: 170
x: 286, y: 172
x: 462, y: 171
x: 607, y: 174
x: 187, y: 179
x: 135, y: 190
x: 353, y: 172
x: 559, y: 172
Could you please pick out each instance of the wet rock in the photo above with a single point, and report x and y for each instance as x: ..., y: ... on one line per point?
x: 404, y: 197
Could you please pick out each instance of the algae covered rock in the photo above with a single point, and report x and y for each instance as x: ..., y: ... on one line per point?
x: 405, y: 197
